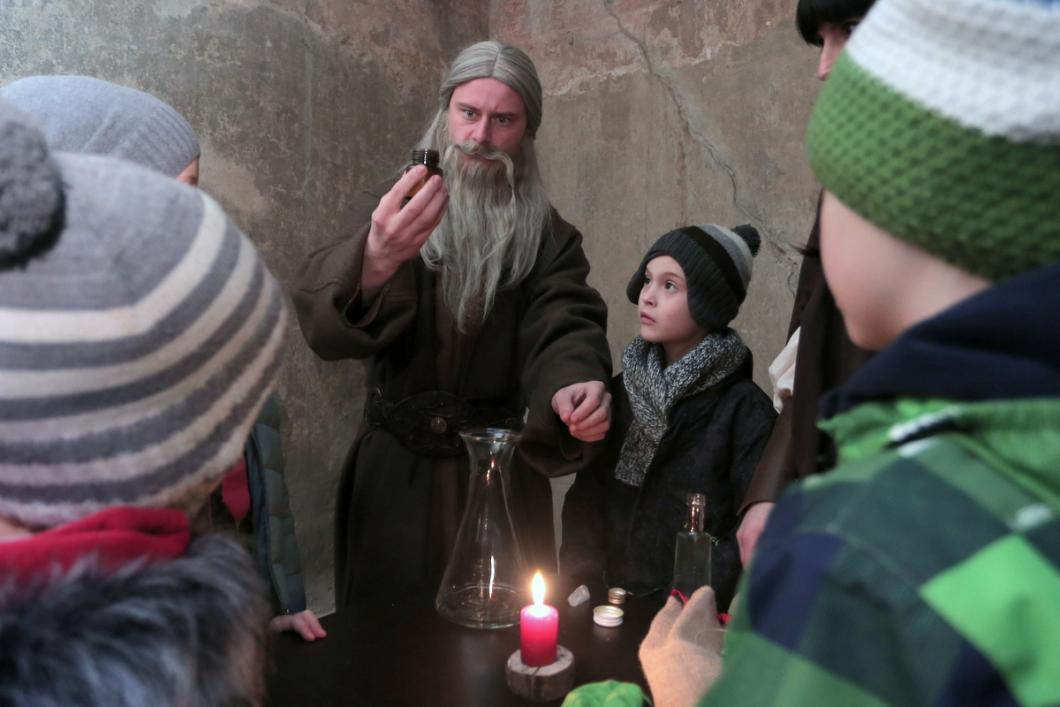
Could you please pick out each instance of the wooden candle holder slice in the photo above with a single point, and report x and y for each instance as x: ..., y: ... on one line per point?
x: 541, y: 683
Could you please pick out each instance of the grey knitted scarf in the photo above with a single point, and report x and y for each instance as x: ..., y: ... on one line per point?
x: 654, y: 389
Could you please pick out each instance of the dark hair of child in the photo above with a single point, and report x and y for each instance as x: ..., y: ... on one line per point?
x: 811, y: 14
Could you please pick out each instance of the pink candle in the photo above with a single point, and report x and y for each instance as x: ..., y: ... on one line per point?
x: 538, y: 628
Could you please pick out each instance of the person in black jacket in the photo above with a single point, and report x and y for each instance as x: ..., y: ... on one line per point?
x: 687, y: 418
x: 825, y: 355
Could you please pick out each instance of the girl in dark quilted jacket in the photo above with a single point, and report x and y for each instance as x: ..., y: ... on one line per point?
x: 687, y: 419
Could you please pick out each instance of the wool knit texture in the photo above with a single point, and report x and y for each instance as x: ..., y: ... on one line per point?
x: 941, y: 125
x: 135, y: 353
x: 717, y: 263
x: 85, y: 115
x: 30, y: 188
x: 654, y: 389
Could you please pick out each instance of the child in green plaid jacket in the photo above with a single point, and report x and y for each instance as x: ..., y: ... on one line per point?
x: 926, y: 569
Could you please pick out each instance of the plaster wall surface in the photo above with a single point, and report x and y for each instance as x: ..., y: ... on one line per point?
x: 657, y: 114
x: 662, y: 114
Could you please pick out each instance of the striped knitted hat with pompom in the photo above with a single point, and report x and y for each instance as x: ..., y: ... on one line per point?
x: 140, y: 334
x: 940, y: 124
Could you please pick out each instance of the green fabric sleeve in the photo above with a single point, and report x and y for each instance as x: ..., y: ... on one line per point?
x: 610, y: 693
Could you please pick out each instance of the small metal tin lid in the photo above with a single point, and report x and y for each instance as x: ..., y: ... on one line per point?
x: 616, y: 595
x: 607, y: 615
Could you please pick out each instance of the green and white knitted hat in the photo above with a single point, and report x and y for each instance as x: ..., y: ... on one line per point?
x: 940, y: 124
x: 140, y: 334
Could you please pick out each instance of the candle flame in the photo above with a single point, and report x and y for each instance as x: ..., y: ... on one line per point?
x: 537, y: 589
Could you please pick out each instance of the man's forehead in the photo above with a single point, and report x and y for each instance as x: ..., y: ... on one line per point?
x: 488, y: 94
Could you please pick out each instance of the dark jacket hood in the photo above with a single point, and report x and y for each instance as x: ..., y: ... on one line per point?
x: 1001, y: 344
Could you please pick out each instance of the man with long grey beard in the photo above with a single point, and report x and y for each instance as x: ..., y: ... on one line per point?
x: 470, y: 303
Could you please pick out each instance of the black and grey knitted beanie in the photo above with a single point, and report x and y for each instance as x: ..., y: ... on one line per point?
x: 717, y: 263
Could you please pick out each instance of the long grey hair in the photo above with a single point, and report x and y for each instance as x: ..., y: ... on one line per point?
x: 498, y: 212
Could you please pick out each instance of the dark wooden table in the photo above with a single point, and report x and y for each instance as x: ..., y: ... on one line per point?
x: 406, y: 655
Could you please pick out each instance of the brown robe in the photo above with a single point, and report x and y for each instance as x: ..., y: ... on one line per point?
x: 824, y: 360
x: 397, y: 512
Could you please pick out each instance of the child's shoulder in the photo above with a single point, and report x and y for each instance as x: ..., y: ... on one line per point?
x: 747, y: 389
x: 738, y: 396
x: 740, y: 410
x: 911, y: 498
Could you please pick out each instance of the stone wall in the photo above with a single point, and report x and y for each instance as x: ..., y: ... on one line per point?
x: 657, y: 114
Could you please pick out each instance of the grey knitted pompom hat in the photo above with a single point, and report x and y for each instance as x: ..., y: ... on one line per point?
x: 30, y: 190
x: 717, y: 262
x: 136, y: 352
x: 89, y: 116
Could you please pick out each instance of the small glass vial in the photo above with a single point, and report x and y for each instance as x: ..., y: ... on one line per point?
x: 692, y: 552
x: 429, y: 159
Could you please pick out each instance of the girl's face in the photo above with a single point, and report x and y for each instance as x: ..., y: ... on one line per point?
x: 663, y: 308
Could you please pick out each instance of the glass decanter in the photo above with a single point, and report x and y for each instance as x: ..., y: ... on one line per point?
x: 483, y: 582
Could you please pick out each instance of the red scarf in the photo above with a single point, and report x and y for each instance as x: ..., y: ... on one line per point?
x: 116, y: 536
x: 235, y: 490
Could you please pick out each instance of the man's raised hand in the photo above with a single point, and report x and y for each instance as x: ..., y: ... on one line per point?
x: 397, y: 233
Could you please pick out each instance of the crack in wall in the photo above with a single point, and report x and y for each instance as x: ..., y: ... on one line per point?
x: 750, y: 211
x: 682, y: 167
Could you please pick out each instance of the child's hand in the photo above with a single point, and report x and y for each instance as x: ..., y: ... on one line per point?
x: 305, y: 623
x: 681, y: 655
x: 751, y: 527
x: 585, y: 409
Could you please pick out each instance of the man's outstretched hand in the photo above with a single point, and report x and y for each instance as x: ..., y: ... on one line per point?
x: 585, y: 409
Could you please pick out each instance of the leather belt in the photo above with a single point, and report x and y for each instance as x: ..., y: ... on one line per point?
x: 429, y: 423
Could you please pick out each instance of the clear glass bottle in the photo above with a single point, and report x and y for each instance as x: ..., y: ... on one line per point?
x: 485, y: 579
x: 429, y: 159
x: 692, y: 551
